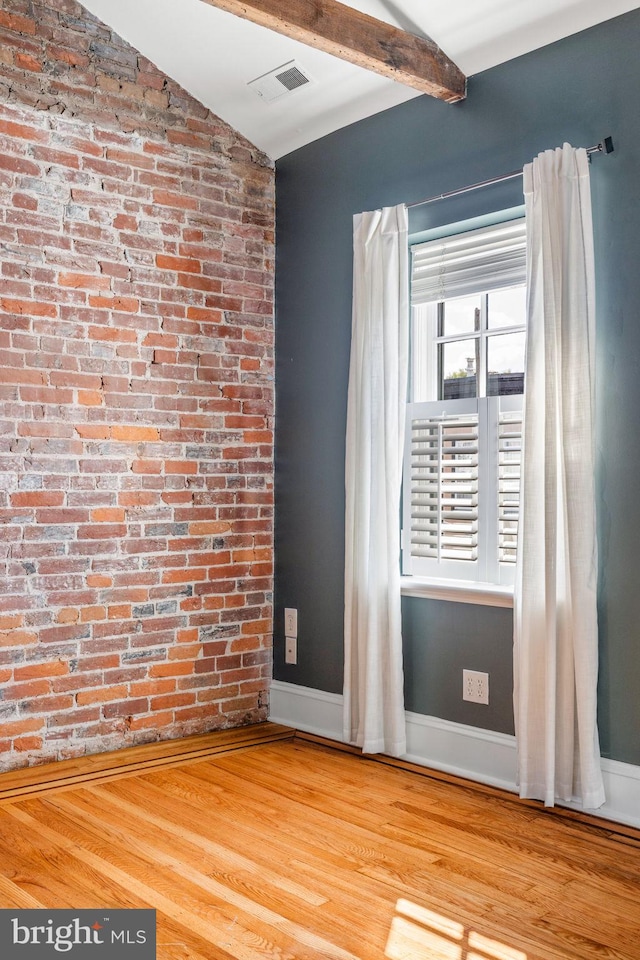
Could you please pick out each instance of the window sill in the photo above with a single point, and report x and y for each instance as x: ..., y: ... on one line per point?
x: 459, y: 591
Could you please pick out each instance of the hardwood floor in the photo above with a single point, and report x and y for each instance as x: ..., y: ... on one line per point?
x: 293, y: 851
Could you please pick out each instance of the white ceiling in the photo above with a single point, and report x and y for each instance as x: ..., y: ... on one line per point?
x: 214, y: 55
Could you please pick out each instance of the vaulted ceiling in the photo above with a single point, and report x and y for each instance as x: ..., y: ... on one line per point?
x: 215, y: 54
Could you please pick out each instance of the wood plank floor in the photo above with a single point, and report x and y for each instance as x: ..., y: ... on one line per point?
x: 293, y: 851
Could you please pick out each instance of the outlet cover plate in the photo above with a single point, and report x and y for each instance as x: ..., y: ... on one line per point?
x: 290, y: 650
x: 290, y: 622
x: 475, y: 686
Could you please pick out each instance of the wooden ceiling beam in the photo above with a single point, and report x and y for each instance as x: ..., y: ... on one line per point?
x: 358, y: 38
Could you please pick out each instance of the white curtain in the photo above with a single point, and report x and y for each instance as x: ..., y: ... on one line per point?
x: 555, y: 618
x: 373, y: 677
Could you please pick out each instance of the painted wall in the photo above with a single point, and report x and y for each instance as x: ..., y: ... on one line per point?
x: 136, y: 399
x: 578, y: 90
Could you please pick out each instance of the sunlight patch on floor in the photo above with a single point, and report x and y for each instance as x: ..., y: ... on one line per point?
x: 420, y: 934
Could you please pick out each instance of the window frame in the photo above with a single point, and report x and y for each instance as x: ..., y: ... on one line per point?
x: 489, y: 581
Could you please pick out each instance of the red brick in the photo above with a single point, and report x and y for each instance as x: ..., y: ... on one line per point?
x: 206, y: 284
x: 16, y: 22
x: 110, y: 694
x: 90, y: 398
x: 249, y: 363
x: 184, y: 576
x: 17, y: 638
x: 71, y: 57
x: 202, y: 315
x: 119, y: 611
x: 168, y: 199
x: 159, y: 720
x: 27, y: 744
x: 9, y: 128
x: 185, y: 652
x: 113, y: 333
x: 256, y: 626
x: 30, y: 308
x: 180, y: 466
x: 68, y: 615
x: 101, y: 531
x: 179, y: 669
x: 14, y: 728
x: 93, y: 431
x: 184, y: 264
x: 26, y: 62
x: 119, y: 304
x: 205, y: 527
x: 18, y: 165
x: 177, y: 496
x: 25, y: 691
x: 98, y: 580
x: 150, y: 688
x: 134, y: 434
x: 50, y: 668
x: 83, y: 280
x: 147, y: 466
x: 107, y: 515
x: 124, y: 222
x: 172, y: 701
x: 88, y: 614
x: 38, y: 498
x: 137, y: 498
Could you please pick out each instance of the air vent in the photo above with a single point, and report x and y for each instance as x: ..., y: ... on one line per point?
x: 279, y: 82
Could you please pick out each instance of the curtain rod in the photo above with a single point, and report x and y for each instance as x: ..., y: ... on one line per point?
x: 605, y: 146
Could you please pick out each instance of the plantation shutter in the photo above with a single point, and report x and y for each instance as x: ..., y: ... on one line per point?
x: 441, y: 489
x: 444, y: 487
x: 491, y: 258
x: 462, y: 488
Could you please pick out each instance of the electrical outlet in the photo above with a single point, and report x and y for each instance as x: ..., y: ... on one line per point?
x: 475, y: 686
x: 290, y: 650
x: 290, y: 622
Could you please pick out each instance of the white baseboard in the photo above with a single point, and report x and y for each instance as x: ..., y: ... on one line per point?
x: 470, y: 752
x: 312, y: 711
x: 481, y: 755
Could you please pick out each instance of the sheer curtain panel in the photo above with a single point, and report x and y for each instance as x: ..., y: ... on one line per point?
x: 373, y: 677
x: 555, y: 619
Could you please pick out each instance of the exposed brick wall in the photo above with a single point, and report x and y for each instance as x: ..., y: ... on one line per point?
x: 136, y: 399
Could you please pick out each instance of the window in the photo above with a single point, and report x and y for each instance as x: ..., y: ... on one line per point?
x: 464, y: 418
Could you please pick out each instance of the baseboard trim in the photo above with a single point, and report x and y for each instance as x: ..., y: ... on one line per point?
x: 482, y: 756
x: 309, y: 710
x: 96, y: 768
x: 473, y: 753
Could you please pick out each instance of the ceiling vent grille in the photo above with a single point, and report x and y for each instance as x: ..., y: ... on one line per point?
x: 284, y: 80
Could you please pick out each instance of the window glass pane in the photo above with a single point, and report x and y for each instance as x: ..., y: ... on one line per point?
x: 505, y: 364
x: 507, y: 308
x: 459, y: 362
x: 460, y: 316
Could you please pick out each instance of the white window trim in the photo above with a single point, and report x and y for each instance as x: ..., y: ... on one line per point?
x: 457, y: 591
x: 424, y: 360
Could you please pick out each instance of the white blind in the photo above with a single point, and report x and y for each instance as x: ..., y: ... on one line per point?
x: 444, y: 487
x: 490, y: 258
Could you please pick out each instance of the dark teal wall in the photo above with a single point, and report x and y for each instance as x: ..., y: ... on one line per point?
x: 579, y: 90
